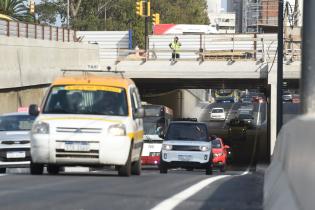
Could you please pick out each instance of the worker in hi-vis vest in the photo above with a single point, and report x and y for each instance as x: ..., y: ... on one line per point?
x: 175, y: 46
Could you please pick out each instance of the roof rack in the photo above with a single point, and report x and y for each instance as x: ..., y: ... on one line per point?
x: 186, y: 119
x: 86, y: 71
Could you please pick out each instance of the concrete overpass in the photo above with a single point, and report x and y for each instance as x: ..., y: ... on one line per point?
x: 31, y: 65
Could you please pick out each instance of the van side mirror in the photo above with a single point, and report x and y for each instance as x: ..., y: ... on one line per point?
x: 33, y: 110
x: 139, y: 113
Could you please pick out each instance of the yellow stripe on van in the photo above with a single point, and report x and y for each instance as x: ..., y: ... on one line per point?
x: 81, y: 118
x: 138, y: 135
x: 93, y: 88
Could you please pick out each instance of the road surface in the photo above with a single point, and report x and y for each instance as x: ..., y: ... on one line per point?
x: 105, y: 190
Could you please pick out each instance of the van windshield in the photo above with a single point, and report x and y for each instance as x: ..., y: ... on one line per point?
x: 86, y: 99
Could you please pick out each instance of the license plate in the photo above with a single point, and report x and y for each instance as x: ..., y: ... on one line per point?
x: 20, y: 154
x: 184, y: 157
x: 77, y: 147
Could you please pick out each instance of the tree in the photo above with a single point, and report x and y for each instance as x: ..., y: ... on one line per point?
x: 120, y: 15
x: 16, y: 9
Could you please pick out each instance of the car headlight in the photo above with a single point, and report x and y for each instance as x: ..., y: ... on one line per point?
x: 217, y: 154
x: 117, y: 130
x: 167, y: 147
x: 204, y: 148
x: 40, y: 128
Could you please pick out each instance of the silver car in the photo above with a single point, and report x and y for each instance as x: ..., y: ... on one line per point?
x: 15, y: 140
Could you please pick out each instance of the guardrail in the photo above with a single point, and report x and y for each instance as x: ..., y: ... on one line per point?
x: 256, y: 47
x: 34, y: 31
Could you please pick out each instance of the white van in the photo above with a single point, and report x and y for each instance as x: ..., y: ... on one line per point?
x: 89, y: 121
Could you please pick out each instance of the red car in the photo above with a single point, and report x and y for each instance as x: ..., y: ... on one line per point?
x: 220, y: 154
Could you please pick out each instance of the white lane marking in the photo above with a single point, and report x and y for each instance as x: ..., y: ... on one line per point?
x: 3, y: 174
x: 178, y: 198
x: 228, y: 116
x: 245, y: 172
x: 173, y: 201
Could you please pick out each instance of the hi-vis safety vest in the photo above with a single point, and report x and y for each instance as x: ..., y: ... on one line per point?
x: 175, y: 46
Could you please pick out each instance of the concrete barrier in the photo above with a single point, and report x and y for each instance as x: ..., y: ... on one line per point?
x: 289, y: 180
x: 29, y: 62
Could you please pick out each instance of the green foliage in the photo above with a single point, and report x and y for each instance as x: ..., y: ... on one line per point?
x: 16, y: 9
x: 121, y: 14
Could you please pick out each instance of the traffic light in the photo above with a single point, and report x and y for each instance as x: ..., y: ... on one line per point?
x: 139, y: 7
x: 156, y: 18
x: 32, y: 7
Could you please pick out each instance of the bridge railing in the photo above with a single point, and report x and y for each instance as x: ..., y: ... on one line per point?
x: 214, y: 47
x: 34, y: 31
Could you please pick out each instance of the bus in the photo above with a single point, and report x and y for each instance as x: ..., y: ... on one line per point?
x: 155, y: 122
x: 227, y: 95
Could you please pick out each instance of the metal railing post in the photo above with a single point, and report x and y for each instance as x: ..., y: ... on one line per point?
x: 8, y: 28
x: 308, y: 62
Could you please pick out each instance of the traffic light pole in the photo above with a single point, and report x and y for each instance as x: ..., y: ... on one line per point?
x: 280, y: 67
x: 146, y: 33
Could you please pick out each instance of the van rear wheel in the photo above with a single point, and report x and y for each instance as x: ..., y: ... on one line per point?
x: 53, y: 169
x: 3, y: 170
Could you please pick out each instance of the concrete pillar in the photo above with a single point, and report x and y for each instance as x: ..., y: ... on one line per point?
x: 272, y: 80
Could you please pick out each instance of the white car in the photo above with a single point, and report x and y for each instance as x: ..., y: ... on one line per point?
x: 15, y: 140
x: 217, y: 114
x: 186, y: 145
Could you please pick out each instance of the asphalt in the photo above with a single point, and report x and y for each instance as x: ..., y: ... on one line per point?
x: 105, y: 190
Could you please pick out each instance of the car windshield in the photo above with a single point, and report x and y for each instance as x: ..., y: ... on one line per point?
x: 85, y: 99
x: 16, y: 122
x: 217, y: 111
x: 245, y: 116
x: 216, y: 144
x: 187, y: 131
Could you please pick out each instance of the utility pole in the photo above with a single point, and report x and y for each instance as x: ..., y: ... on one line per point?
x: 308, y: 61
x: 68, y: 13
x: 280, y: 67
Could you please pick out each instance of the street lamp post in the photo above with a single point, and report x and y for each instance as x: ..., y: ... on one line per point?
x: 280, y: 67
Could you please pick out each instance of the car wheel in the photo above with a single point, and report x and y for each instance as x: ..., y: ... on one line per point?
x: 3, y: 170
x: 209, y: 170
x: 126, y: 169
x: 36, y: 169
x: 136, y: 167
x: 222, y: 168
x: 53, y: 169
x: 163, y: 168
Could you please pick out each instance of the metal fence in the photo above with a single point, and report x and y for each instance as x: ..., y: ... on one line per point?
x: 26, y: 30
x: 110, y: 42
x: 216, y: 46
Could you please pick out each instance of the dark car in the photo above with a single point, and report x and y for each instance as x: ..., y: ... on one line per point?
x: 247, y: 119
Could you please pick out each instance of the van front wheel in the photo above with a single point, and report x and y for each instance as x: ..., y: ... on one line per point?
x: 36, y: 169
x: 126, y: 169
x: 136, y: 168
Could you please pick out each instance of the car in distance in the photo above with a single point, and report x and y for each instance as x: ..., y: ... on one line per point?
x: 15, y: 140
x: 247, y: 118
x: 186, y: 145
x: 217, y: 114
x: 220, y: 154
x: 287, y: 96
